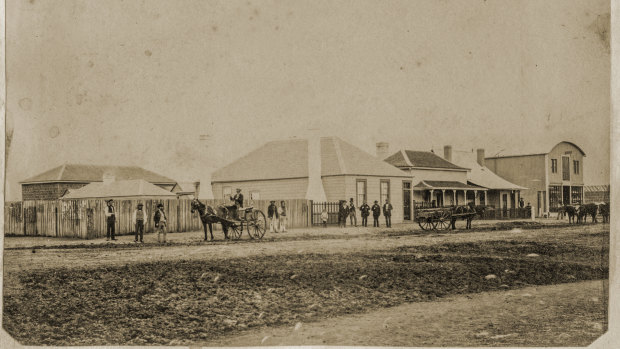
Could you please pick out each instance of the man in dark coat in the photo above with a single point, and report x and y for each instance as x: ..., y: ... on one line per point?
x: 272, y: 214
x: 365, y: 211
x: 352, y: 215
x: 111, y: 220
x: 376, y: 212
x: 387, y: 212
x: 238, y: 204
x: 343, y: 213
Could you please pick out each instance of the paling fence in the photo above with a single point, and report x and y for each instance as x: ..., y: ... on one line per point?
x: 332, y: 209
x: 85, y: 218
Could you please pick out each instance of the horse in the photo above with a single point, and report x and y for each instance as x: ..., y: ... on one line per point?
x: 208, y: 216
x: 469, y: 211
x: 587, y: 210
x: 569, y: 210
x: 604, y: 210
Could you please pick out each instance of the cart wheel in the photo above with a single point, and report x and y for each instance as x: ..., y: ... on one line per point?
x: 426, y: 224
x: 235, y: 231
x: 257, y: 226
x: 443, y: 221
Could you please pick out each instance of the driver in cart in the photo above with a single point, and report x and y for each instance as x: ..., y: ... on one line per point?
x: 237, y: 204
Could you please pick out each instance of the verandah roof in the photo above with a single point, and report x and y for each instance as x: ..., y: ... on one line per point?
x: 454, y: 185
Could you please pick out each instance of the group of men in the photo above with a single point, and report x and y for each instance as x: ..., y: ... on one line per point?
x: 139, y: 220
x: 349, y: 210
x: 276, y: 214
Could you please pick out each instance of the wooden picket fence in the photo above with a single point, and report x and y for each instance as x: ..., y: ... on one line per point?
x: 85, y: 218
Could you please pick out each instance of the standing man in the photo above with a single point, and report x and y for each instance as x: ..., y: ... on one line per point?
x: 160, y: 221
x: 352, y: 216
x: 343, y: 213
x: 283, y: 219
x: 272, y: 214
x: 376, y: 212
x: 111, y: 218
x: 387, y: 212
x: 521, y: 203
x: 138, y: 219
x: 238, y: 202
x: 365, y: 211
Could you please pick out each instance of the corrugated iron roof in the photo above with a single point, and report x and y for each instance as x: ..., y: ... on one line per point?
x: 596, y: 188
x: 128, y: 188
x: 446, y: 185
x: 533, y: 148
x: 95, y: 173
x: 289, y: 159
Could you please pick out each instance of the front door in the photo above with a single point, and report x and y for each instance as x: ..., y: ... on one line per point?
x: 407, y: 201
x: 566, y: 195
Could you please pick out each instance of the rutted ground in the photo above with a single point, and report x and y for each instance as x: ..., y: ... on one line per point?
x: 215, y: 296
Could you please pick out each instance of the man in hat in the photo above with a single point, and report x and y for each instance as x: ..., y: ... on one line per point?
x: 160, y: 222
x: 365, y: 211
x: 238, y: 203
x: 111, y: 219
x: 352, y: 215
x: 282, y: 214
x: 272, y: 214
x: 138, y: 219
x: 387, y: 212
x: 376, y: 212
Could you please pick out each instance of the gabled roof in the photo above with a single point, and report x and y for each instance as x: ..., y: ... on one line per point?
x: 482, y: 175
x: 445, y: 185
x: 118, y: 189
x: 540, y: 147
x: 422, y: 159
x: 289, y: 159
x: 95, y: 173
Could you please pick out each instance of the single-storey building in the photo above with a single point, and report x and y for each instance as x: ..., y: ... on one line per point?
x: 319, y: 169
x: 53, y: 184
x: 552, y: 174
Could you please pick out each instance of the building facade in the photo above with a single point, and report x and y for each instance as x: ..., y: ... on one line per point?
x: 552, y: 175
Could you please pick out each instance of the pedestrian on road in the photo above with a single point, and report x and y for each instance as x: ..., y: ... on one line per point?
x: 387, y: 212
x: 111, y: 220
x: 283, y: 218
x: 343, y: 213
x: 160, y: 222
x: 352, y: 215
x: 376, y: 212
x: 138, y: 219
x: 324, y: 217
x: 272, y: 214
x: 365, y: 211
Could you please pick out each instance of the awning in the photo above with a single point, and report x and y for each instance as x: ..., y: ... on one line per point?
x: 445, y: 185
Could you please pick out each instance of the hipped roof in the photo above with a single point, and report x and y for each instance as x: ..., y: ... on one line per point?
x: 422, y: 159
x: 289, y: 159
x: 95, y: 173
x: 118, y: 189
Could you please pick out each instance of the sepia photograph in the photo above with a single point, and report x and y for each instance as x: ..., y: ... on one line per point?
x: 244, y: 173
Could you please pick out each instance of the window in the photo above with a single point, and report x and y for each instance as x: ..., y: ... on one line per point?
x: 254, y: 195
x: 385, y: 190
x: 565, y: 168
x: 554, y: 165
x: 576, y: 166
x: 360, y: 191
x: 226, y: 192
x: 555, y: 196
x: 576, y: 195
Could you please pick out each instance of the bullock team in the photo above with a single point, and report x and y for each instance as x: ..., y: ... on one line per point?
x: 579, y: 213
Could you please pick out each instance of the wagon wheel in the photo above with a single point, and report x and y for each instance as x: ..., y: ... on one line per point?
x: 236, y: 229
x: 443, y: 221
x: 426, y: 223
x: 257, y: 225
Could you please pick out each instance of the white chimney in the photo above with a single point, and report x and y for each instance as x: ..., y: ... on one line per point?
x: 315, y: 191
x: 447, y: 152
x: 480, y: 156
x: 383, y: 150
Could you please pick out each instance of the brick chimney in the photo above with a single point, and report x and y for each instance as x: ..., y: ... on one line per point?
x: 383, y: 150
x: 447, y: 152
x: 480, y: 156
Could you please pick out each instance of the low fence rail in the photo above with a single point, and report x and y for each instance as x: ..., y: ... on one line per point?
x: 86, y: 218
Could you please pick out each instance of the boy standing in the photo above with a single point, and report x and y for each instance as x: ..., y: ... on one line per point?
x: 160, y: 222
x: 111, y: 220
x: 376, y: 212
x: 138, y: 219
x: 324, y: 217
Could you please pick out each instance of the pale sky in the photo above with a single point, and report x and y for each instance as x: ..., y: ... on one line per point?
x: 136, y: 82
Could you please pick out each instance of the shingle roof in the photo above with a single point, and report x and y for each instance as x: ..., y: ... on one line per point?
x: 539, y: 147
x: 445, y: 185
x: 95, y: 173
x: 482, y: 175
x: 411, y: 158
x: 289, y: 159
x: 118, y: 189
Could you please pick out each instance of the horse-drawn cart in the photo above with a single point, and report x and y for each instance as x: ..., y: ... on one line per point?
x: 442, y: 218
x: 233, y: 219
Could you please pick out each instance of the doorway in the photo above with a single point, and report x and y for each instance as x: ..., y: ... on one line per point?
x: 565, y: 195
